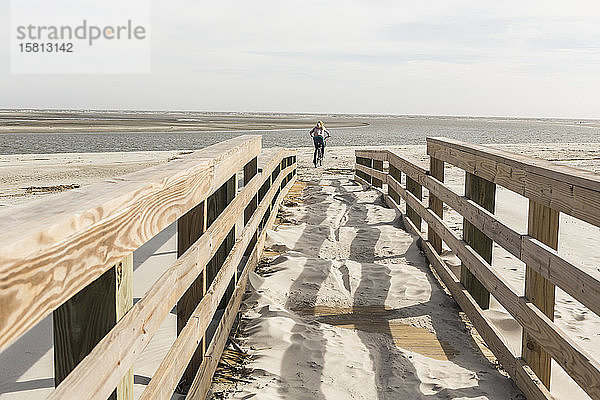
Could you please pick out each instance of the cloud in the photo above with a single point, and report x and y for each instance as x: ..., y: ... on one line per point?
x: 383, y: 56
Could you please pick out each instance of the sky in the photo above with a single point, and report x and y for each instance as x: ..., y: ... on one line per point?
x: 475, y: 58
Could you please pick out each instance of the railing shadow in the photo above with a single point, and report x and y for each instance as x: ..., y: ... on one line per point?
x: 362, y: 250
x: 390, y: 363
x: 298, y: 352
x: 40, y: 337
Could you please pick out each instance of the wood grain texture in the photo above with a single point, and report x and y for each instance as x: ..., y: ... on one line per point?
x: 410, y: 166
x: 167, y: 375
x: 436, y: 168
x: 483, y: 193
x: 80, y: 323
x: 129, y: 337
x: 570, y: 190
x: 203, y: 379
x: 570, y: 278
x: 542, y: 225
x: 580, y: 366
x: 124, y: 271
x: 52, y: 248
x: 521, y: 373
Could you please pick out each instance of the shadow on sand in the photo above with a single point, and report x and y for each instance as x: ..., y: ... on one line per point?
x: 391, y: 366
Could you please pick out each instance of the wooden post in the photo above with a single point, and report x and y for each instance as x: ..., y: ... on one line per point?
x: 542, y: 225
x: 416, y: 189
x: 218, y: 202
x: 250, y: 171
x: 190, y: 227
x: 378, y: 165
x: 397, y: 175
x: 482, y: 192
x: 230, y: 240
x: 81, y: 322
x: 367, y: 162
x: 436, y: 168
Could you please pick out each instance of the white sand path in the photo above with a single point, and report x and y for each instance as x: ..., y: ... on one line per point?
x: 342, y: 248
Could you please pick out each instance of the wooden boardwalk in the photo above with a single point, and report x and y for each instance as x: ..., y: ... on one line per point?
x: 375, y: 320
x: 551, y: 189
x: 355, y: 277
x: 347, y: 307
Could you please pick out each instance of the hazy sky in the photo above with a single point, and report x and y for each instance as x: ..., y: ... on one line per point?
x: 489, y: 58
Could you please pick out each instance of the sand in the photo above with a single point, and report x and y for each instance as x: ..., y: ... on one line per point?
x: 337, y: 249
x: 72, y: 121
x: 345, y: 252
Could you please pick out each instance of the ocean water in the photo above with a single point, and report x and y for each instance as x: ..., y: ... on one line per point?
x: 380, y: 131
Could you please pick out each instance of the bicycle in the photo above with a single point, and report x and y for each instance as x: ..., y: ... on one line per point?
x: 321, y: 153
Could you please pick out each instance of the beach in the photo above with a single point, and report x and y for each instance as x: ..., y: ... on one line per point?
x: 334, y: 359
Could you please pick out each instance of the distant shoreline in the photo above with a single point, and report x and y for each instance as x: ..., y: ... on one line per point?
x: 74, y: 121
x: 56, y: 122
x: 140, y: 129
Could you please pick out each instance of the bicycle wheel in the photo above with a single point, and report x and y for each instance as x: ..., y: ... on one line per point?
x: 320, y: 157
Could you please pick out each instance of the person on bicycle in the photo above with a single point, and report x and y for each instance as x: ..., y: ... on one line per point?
x: 318, y: 135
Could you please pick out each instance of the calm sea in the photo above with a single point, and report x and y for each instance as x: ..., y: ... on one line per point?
x: 380, y: 131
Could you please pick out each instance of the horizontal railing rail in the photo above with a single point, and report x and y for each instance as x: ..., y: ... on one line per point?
x: 79, y: 241
x: 543, y: 339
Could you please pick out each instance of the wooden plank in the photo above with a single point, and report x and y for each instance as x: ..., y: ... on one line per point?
x: 549, y: 169
x: 379, y: 155
x: 250, y: 170
x: 129, y: 337
x: 570, y: 278
x: 410, y: 166
x: 378, y: 182
x: 363, y: 162
x: 203, y: 379
x: 49, y: 249
x: 397, y: 175
x: 580, y: 366
x: 417, y: 190
x: 481, y: 218
x: 569, y: 190
x: 81, y: 322
x: 543, y: 259
x: 124, y: 271
x: 189, y: 229
x: 436, y: 168
x: 542, y: 225
x: 482, y: 192
x: 167, y: 375
x: 521, y: 373
x: 379, y: 175
x: 215, y: 206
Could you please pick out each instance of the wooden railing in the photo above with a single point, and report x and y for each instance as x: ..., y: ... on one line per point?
x: 71, y: 255
x: 551, y: 189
